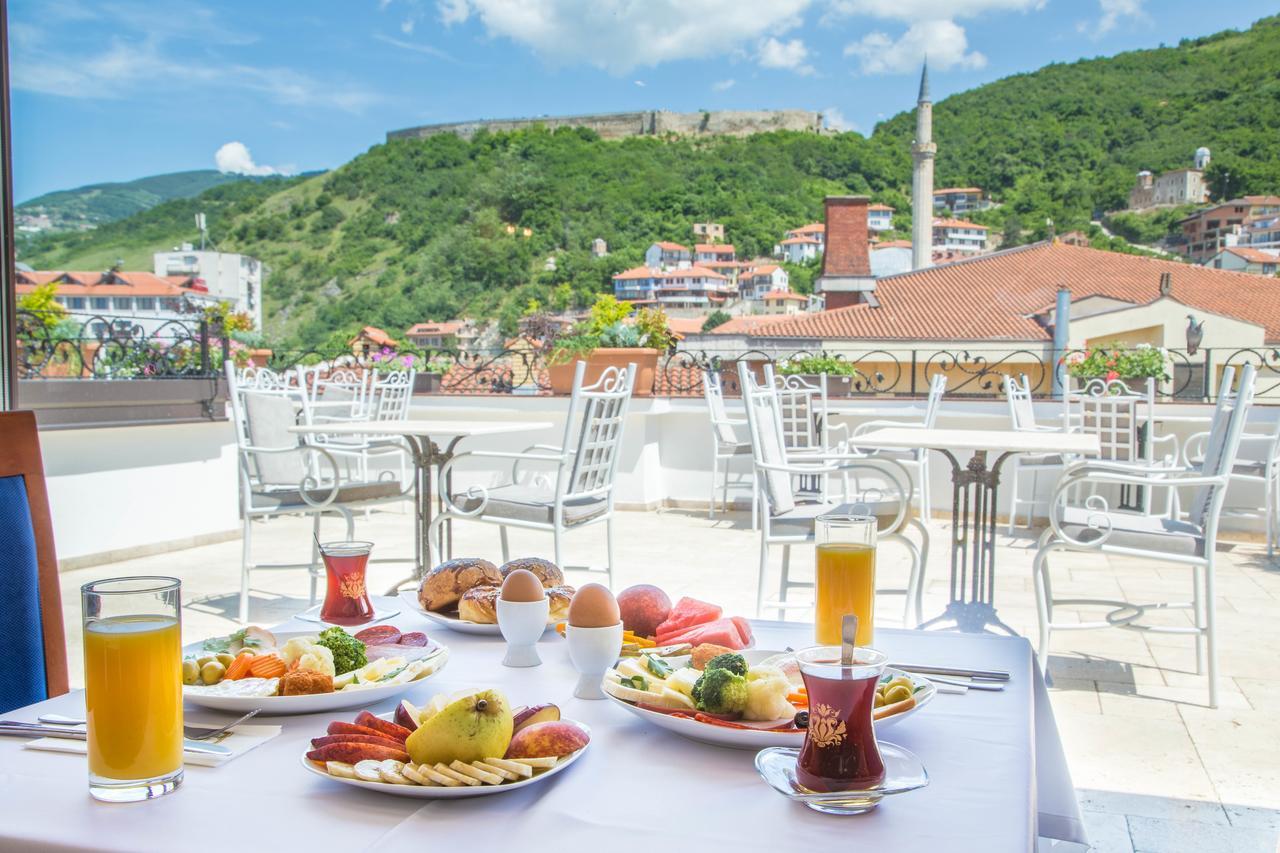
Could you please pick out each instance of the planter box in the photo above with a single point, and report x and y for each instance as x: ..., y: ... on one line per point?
x: 426, y: 383
x: 645, y: 360
x: 837, y: 386
x: 80, y: 403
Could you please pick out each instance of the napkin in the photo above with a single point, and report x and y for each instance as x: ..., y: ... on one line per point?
x: 239, y: 740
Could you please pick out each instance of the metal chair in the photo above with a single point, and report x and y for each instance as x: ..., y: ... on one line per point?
x: 725, y: 443
x: 576, y: 493
x: 786, y: 517
x: 1022, y: 417
x: 916, y: 460
x: 280, y: 475
x: 1171, y: 541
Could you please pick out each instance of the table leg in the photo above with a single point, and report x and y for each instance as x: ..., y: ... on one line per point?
x: 973, y: 546
x: 424, y: 453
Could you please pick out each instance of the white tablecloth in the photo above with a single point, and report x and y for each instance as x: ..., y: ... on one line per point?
x: 998, y: 778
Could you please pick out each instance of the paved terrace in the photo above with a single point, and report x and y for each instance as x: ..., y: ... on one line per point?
x: 1156, y: 770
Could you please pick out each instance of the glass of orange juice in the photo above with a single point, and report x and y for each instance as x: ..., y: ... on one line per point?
x: 133, y: 686
x: 845, y: 579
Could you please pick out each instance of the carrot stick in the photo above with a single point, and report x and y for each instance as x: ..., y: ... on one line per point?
x: 896, y: 708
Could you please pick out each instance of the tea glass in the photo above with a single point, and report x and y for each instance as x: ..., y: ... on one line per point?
x: 346, y: 598
x: 840, y: 751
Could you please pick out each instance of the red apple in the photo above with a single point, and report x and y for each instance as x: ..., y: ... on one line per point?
x: 406, y: 715
x: 552, y: 738
x: 643, y: 607
x: 530, y: 714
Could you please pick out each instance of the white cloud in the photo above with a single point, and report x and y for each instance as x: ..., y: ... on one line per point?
x: 619, y: 35
x: 426, y: 49
x: 723, y: 85
x: 1112, y: 12
x: 234, y: 158
x: 834, y: 119
x: 944, y: 42
x: 407, y: 25
x: 791, y: 55
x: 928, y: 10
x: 639, y: 83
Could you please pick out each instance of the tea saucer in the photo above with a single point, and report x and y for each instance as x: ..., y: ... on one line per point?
x: 380, y: 614
x: 902, y: 772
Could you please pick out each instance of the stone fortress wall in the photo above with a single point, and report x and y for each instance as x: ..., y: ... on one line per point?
x: 641, y: 123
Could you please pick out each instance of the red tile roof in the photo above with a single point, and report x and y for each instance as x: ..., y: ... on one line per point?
x: 794, y: 241
x: 750, y: 324
x: 785, y: 294
x: 892, y: 244
x: 79, y: 283
x: 811, y: 228
x: 957, y: 223
x: 1256, y: 256
x: 714, y: 248
x: 375, y: 336
x: 449, y: 328
x: 996, y: 296
x: 763, y: 269
x: 947, y: 190
x: 671, y: 247
x: 879, y: 207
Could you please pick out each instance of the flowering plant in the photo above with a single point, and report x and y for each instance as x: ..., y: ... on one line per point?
x: 1111, y: 362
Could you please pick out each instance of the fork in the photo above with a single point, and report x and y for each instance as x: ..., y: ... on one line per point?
x: 191, y: 732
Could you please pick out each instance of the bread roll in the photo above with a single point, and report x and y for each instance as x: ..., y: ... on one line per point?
x: 547, y: 572
x: 560, y: 597
x: 480, y: 604
x: 444, y: 585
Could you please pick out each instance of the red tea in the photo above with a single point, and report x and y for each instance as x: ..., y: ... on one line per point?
x: 840, y: 752
x: 346, y: 600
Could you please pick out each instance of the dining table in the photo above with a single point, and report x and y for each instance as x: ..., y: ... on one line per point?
x: 998, y: 777
x: 974, y: 504
x: 431, y: 444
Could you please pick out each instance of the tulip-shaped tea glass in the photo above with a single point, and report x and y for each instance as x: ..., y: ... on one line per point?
x: 593, y: 651
x: 521, y: 624
x: 133, y: 686
x: 346, y: 598
x: 840, y: 751
x: 845, y: 576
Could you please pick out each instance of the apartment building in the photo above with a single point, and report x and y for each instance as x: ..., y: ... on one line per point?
x: 755, y: 283
x: 957, y: 201
x: 879, y: 217
x: 686, y: 287
x: 955, y: 236
x: 665, y: 255
x: 1246, y: 259
x: 229, y: 276
x: 1232, y: 223
x: 123, y: 300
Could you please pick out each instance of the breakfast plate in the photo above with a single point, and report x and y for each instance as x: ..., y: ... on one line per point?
x: 748, y: 738
x: 409, y: 598
x: 247, y: 694
x: 438, y: 792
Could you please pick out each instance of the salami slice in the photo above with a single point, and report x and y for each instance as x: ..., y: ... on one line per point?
x: 413, y: 638
x: 379, y: 635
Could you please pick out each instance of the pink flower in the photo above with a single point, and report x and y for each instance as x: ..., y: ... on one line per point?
x: 1112, y: 376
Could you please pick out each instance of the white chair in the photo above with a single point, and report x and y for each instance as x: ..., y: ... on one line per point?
x: 390, y: 399
x: 726, y: 445
x: 882, y: 488
x: 1171, y: 541
x: 1022, y: 417
x: 281, y: 475
x: 916, y: 460
x: 576, y: 493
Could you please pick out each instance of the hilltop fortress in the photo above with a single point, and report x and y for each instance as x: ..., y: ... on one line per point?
x: 642, y: 123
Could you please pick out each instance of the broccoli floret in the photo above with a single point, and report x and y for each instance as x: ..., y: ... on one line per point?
x: 348, y: 652
x: 719, y: 691
x: 731, y: 661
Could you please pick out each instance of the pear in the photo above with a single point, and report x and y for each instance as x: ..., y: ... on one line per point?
x: 471, y: 728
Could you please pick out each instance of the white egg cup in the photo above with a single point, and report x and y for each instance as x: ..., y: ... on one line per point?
x: 593, y: 651
x: 522, y: 624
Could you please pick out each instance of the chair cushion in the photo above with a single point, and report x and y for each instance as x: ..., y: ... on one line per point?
x: 1029, y: 460
x: 22, y: 669
x: 269, y: 418
x: 528, y: 503
x: 351, y: 493
x: 1145, y: 532
x: 805, y: 513
x: 1249, y: 468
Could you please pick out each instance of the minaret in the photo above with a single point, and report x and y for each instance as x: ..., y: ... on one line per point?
x: 922, y: 153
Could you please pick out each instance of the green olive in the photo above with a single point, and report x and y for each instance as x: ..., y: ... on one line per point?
x: 201, y: 661
x: 190, y: 672
x: 212, y: 672
x: 879, y: 700
x: 896, y: 693
x: 225, y: 658
x: 902, y: 681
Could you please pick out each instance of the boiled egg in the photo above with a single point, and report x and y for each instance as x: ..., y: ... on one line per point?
x: 593, y: 606
x: 522, y: 585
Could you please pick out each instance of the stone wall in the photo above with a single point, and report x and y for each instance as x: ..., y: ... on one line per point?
x: 643, y: 123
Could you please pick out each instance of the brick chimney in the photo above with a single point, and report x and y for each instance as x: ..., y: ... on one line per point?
x: 846, y: 264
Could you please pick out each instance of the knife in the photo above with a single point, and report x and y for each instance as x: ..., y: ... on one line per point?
x: 981, y: 674
x: 18, y: 729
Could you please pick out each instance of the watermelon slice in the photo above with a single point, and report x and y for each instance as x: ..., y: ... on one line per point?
x: 687, y: 613
x: 723, y: 632
x: 744, y: 629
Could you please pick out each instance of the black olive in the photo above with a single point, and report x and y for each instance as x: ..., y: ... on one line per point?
x: 802, y: 720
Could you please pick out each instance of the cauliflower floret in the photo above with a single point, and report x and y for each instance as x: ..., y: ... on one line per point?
x: 767, y: 689
x: 309, y: 655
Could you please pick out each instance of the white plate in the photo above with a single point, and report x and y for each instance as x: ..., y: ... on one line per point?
x: 313, y: 703
x: 424, y: 792
x: 751, y: 738
x: 451, y: 621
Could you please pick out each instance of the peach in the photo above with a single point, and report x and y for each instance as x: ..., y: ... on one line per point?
x: 644, y: 607
x: 531, y: 714
x: 550, y: 738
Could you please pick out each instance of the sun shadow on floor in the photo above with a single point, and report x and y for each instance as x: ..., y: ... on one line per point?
x: 1078, y: 670
x: 264, y: 607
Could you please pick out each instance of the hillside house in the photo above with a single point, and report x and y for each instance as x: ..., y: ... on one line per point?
x: 665, y: 255
x: 758, y: 281
x: 121, y: 298
x: 879, y: 217
x: 1246, y: 259
x: 955, y: 236
x: 957, y: 201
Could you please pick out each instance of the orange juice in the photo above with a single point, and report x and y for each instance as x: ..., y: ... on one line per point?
x: 133, y: 696
x: 845, y: 583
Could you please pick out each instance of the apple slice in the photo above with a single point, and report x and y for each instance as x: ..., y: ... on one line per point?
x: 530, y: 714
x: 407, y: 715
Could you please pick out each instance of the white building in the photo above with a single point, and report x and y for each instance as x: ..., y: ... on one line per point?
x: 797, y: 250
x: 956, y: 235
x: 125, y: 300
x: 1246, y: 259
x: 664, y: 255
x: 754, y: 284
x: 687, y: 287
x: 879, y: 217
x: 713, y: 253
x: 229, y: 277
x: 890, y: 258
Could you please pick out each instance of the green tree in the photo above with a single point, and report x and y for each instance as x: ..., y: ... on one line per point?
x: 714, y: 319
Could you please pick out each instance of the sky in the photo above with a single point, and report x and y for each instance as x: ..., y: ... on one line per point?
x: 109, y: 90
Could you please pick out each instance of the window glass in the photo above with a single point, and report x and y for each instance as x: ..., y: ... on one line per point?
x: 122, y: 303
x: 100, y: 303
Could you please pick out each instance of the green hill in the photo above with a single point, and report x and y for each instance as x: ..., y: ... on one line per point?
x: 96, y: 204
x: 421, y: 229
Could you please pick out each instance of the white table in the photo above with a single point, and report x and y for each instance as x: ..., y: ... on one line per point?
x: 998, y: 778
x: 422, y: 437
x: 974, y: 506
x: 838, y: 410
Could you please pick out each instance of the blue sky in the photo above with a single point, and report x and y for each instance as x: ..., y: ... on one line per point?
x: 118, y: 89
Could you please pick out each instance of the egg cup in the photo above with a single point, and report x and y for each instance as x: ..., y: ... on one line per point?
x: 522, y: 624
x: 593, y: 651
